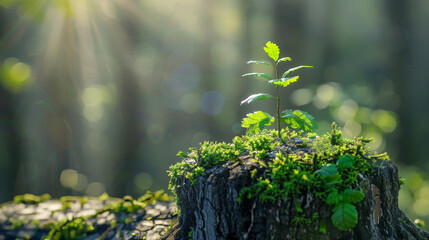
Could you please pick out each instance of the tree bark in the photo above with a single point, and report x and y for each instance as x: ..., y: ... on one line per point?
x: 209, y: 209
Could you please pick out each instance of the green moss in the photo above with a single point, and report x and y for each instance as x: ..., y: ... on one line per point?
x: 327, y: 167
x: 31, y: 198
x: 79, y: 227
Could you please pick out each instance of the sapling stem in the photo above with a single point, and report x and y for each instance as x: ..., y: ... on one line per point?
x: 296, y: 119
x: 278, y: 100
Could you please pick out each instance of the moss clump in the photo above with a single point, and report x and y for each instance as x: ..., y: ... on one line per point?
x: 29, y: 198
x: 328, y: 167
x: 80, y: 227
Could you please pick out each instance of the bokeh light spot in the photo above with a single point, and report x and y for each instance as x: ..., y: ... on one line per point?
x: 352, y: 129
x: 143, y: 181
x: 95, y: 189
x: 421, y: 207
x: 69, y: 178
x: 16, y: 75
x: 378, y: 140
x: 82, y: 182
x: 347, y: 110
x: 93, y: 114
x: 212, y: 102
x: 324, y: 95
x: 301, y: 96
x: 184, y: 78
x: 189, y: 103
x: 92, y: 96
x: 385, y: 120
x: 363, y: 115
x: 404, y: 199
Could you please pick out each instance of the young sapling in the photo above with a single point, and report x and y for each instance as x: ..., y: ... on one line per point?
x: 296, y: 119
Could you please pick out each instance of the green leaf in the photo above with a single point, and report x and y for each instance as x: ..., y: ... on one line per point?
x: 255, y: 122
x: 345, y: 216
x: 284, y: 82
x: 273, y: 50
x: 258, y: 62
x: 256, y: 97
x: 257, y: 75
x: 333, y: 198
x: 345, y: 161
x: 285, y: 59
x: 328, y: 170
x: 294, y: 69
x: 299, y: 120
x: 352, y: 196
x: 182, y: 154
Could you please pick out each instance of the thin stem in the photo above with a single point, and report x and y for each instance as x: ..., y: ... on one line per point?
x: 278, y: 101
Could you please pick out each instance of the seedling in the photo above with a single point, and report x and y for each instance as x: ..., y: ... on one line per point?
x: 296, y: 119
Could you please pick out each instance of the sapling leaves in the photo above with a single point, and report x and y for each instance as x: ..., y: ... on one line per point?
x: 283, y: 82
x: 273, y: 50
x: 327, y: 170
x: 256, y: 122
x: 352, y: 196
x: 333, y: 198
x: 182, y: 154
x: 298, y: 119
x: 295, y: 119
x: 284, y: 59
x: 258, y: 62
x: 256, y: 97
x: 294, y: 69
x: 345, y: 216
x: 345, y: 161
x: 257, y: 75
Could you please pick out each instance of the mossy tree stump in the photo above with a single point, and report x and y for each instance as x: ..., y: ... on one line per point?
x: 210, y: 210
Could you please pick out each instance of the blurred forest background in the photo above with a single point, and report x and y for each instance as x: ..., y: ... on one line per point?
x: 100, y: 95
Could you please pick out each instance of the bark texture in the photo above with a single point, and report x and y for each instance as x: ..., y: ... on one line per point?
x: 209, y: 209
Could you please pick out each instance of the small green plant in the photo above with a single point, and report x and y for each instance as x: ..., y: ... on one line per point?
x: 296, y: 119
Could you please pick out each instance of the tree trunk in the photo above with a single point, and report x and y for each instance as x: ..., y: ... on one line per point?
x: 209, y: 209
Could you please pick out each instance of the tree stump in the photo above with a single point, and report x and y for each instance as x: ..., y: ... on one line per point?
x: 209, y: 209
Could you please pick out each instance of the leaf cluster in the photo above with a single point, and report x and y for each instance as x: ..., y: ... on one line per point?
x: 295, y: 119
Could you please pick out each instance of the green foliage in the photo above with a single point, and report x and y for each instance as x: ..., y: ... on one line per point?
x: 285, y: 74
x: 190, y: 233
x: 330, y: 173
x: 209, y: 154
x: 328, y: 169
x: 345, y: 216
x: 17, y: 223
x: 79, y: 227
x: 345, y: 161
x: 298, y: 119
x: 284, y: 82
x: 256, y: 122
x: 272, y: 50
x: 258, y: 62
x: 264, y: 75
x: 74, y: 229
x: 256, y: 97
x: 31, y: 198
